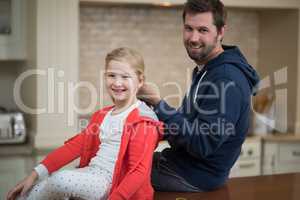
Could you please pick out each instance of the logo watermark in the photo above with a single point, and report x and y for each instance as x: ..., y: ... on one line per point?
x: 208, y: 99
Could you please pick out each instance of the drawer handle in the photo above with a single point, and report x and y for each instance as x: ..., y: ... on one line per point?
x: 247, y: 165
x: 296, y: 153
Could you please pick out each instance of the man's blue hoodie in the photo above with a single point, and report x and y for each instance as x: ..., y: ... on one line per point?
x: 207, y: 131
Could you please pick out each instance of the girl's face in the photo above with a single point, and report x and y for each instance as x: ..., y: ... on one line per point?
x: 122, y: 83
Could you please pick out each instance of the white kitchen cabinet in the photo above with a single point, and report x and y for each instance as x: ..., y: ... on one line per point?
x: 249, y: 161
x: 13, y: 45
x: 281, y: 157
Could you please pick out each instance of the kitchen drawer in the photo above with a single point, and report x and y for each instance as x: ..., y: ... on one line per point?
x: 246, y: 168
x: 289, y: 152
x: 250, y: 150
x: 288, y: 168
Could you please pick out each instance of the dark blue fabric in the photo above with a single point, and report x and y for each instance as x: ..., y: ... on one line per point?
x: 165, y: 179
x: 206, y: 135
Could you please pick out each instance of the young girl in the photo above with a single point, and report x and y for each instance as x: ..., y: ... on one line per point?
x: 115, y: 149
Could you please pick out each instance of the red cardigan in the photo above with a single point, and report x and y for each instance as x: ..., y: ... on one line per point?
x: 132, y: 173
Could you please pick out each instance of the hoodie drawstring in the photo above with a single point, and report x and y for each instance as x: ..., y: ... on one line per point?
x: 198, y: 85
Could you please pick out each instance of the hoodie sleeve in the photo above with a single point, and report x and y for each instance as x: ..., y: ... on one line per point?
x: 217, y: 114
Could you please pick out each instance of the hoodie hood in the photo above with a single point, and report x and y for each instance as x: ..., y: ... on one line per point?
x: 232, y: 55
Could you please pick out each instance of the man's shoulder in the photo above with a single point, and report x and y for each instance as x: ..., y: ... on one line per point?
x: 227, y: 71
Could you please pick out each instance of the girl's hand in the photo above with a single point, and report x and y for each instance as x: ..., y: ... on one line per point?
x: 23, y: 186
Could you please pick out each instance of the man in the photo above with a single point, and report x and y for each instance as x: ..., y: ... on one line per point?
x: 206, y: 133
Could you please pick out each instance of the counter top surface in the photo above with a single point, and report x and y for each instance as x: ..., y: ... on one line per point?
x: 275, y: 187
x: 15, y: 149
x: 282, y: 138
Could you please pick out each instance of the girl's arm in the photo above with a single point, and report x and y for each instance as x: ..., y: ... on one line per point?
x: 56, y: 159
x: 52, y: 162
x: 71, y: 150
x: 23, y: 186
x: 140, y: 150
x: 65, y: 154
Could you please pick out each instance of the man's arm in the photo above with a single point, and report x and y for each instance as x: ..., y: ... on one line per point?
x: 214, y: 123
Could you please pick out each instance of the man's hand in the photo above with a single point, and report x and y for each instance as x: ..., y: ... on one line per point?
x: 149, y: 94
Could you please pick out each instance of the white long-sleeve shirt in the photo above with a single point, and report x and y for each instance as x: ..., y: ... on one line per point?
x: 111, y: 131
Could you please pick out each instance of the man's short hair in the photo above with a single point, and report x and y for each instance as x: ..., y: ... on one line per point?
x: 216, y: 7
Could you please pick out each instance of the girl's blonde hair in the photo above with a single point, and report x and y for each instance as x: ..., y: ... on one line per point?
x: 125, y: 54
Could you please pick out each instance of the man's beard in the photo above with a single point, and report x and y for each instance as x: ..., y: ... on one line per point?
x: 203, y: 54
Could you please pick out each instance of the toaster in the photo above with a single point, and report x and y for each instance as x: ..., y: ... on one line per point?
x: 12, y: 128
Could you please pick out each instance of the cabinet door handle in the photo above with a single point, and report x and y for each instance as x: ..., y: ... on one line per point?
x: 296, y: 153
x: 248, y: 165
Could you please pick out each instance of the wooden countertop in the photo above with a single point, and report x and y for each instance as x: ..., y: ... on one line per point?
x: 282, y: 138
x: 275, y: 187
x: 23, y: 149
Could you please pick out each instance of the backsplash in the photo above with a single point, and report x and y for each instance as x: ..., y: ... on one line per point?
x: 157, y: 33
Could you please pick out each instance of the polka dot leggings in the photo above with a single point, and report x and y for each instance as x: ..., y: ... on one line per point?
x: 87, y: 183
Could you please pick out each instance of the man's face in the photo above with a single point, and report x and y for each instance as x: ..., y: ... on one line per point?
x: 200, y: 36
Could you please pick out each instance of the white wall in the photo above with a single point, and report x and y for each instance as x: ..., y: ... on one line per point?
x: 57, y: 48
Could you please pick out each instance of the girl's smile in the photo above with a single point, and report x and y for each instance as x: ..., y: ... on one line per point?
x: 122, y: 83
